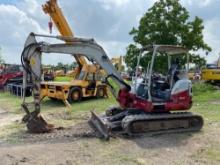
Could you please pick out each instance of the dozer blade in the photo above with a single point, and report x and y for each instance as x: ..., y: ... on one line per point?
x: 37, y: 124
x: 99, y: 125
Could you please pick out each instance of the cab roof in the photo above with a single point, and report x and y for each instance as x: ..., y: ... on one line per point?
x: 169, y: 49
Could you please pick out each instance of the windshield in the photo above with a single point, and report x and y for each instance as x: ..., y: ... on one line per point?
x: 81, y: 75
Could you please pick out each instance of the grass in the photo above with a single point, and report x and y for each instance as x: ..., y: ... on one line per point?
x: 55, y: 111
x: 12, y: 131
x: 10, y: 102
x: 203, y: 96
x: 205, y: 101
x: 212, y: 154
x: 79, y: 111
x: 204, y: 92
x: 63, y: 79
x: 84, y: 106
x: 201, y: 88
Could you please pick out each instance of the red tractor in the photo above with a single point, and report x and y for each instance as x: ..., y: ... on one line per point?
x: 10, y: 74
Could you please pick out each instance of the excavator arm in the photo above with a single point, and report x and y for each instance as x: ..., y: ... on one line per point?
x: 31, y: 62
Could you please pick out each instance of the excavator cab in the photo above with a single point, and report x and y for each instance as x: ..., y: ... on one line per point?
x: 155, y: 86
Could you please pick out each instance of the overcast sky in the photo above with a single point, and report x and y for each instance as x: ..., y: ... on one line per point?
x: 108, y: 21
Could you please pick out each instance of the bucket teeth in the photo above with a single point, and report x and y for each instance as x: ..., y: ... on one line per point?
x: 100, y: 126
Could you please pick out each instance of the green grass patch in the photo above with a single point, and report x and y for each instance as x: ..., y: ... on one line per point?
x: 208, y: 111
x: 63, y: 79
x: 205, y: 101
x: 12, y: 132
x: 204, y: 97
x: 203, y: 92
x: 201, y: 88
x: 212, y: 154
x: 10, y: 102
x: 84, y: 106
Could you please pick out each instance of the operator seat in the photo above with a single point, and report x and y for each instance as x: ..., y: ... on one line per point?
x: 160, y: 92
x: 142, y: 91
x: 173, y: 72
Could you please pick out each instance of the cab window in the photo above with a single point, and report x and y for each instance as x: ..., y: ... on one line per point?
x: 90, y: 77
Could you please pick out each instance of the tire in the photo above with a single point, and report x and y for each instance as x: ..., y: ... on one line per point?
x: 75, y: 95
x: 100, y: 93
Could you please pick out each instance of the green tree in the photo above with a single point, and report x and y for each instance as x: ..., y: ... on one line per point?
x: 167, y: 22
x: 60, y: 65
x: 72, y: 65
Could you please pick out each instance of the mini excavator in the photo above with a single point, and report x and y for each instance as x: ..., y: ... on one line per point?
x: 155, y: 106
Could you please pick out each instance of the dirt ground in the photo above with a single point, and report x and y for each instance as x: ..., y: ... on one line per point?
x: 7, y: 118
x: 80, y: 145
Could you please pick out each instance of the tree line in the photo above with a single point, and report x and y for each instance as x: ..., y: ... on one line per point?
x: 167, y: 22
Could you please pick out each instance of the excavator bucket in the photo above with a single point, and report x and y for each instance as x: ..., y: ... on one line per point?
x: 100, y: 126
x: 37, y: 124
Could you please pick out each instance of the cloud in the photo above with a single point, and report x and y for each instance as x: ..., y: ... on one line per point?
x: 31, y: 6
x: 113, y: 48
x: 201, y: 4
x: 211, y: 36
x: 15, y: 26
x: 208, y: 10
x: 88, y: 19
x: 108, y: 4
x: 108, y: 21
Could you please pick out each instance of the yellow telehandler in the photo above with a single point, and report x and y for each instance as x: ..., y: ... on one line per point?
x: 87, y: 81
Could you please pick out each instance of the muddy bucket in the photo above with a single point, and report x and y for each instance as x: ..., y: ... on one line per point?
x: 37, y: 124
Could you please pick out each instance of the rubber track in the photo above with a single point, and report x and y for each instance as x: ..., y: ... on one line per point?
x: 128, y: 120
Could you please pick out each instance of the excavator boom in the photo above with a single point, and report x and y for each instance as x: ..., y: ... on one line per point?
x: 31, y: 62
